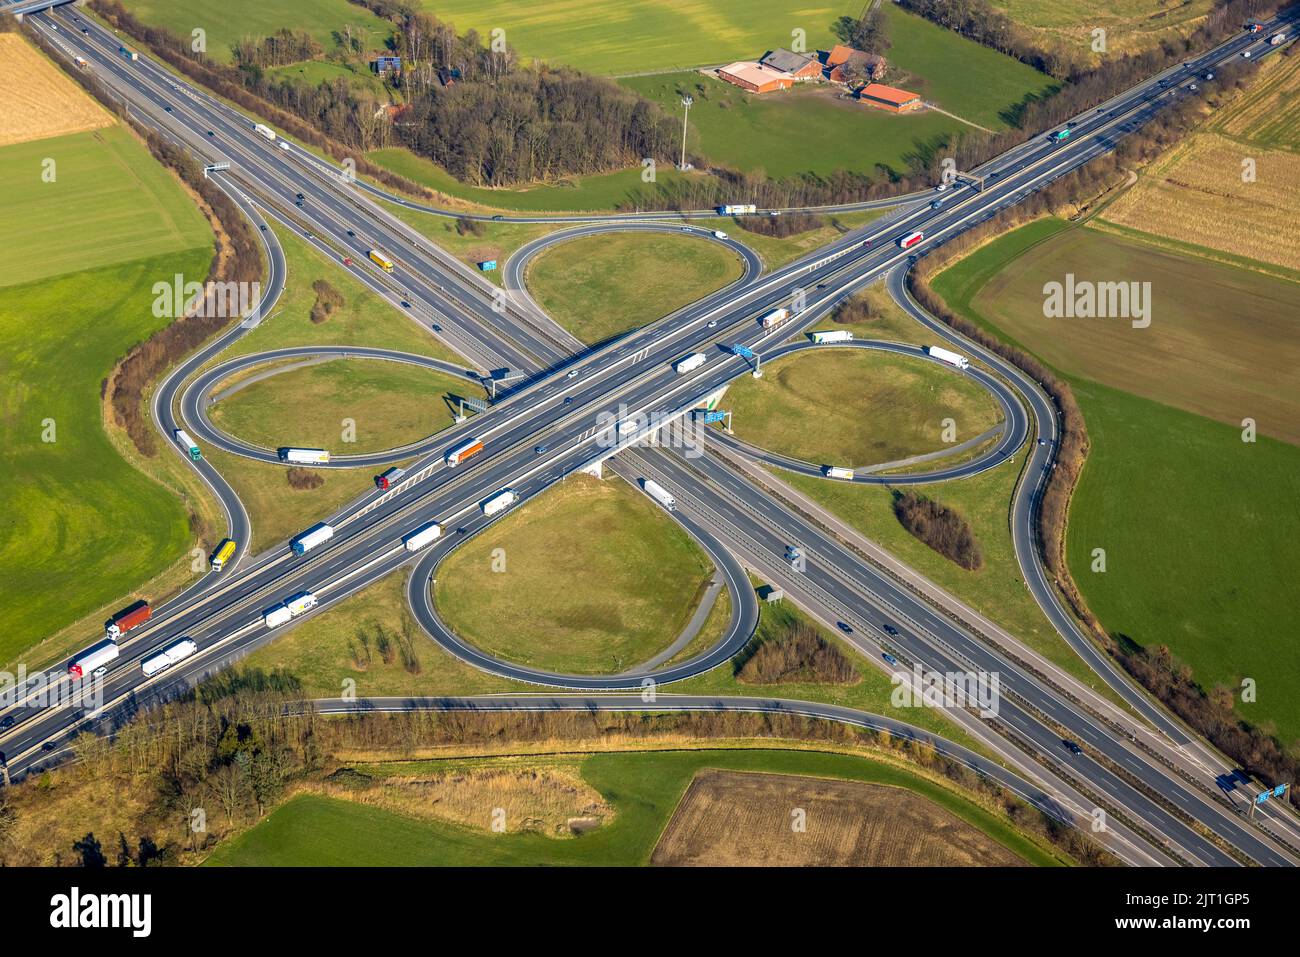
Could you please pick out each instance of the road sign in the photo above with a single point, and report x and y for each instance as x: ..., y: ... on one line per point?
x: 710, y: 417
x: 743, y: 351
x: 1280, y: 790
x: 478, y: 405
x: 1263, y: 796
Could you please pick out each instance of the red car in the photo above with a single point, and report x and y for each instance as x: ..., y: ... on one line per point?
x: 347, y: 260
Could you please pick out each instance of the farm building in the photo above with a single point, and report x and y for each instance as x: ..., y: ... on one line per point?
x: 754, y: 77
x: 846, y: 65
x: 888, y: 98
x: 798, y: 65
x: 386, y: 64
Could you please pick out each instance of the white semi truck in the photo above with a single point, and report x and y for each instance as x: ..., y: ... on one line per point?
x: 261, y: 129
x: 93, y: 658
x: 690, y: 363
x: 316, y: 535
x: 422, y: 536
x: 499, y: 502
x: 832, y: 335
x: 305, y: 456
x: 168, y: 657
x: 944, y: 355
x: 660, y: 494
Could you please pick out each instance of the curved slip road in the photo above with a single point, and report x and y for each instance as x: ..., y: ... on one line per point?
x: 1015, y: 418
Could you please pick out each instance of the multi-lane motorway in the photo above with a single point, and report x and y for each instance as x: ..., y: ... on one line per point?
x: 1161, y: 811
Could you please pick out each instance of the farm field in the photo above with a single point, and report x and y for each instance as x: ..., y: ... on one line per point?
x: 387, y: 404
x: 961, y: 76
x: 59, y: 558
x: 596, y: 579
x: 109, y: 203
x: 1195, y: 195
x: 78, y: 260
x: 743, y: 819
x: 40, y: 101
x: 868, y: 408
x: 1201, y: 532
x: 1225, y: 509
x: 638, y: 36
x: 1130, y: 25
x: 643, y: 789
x: 601, y: 286
x: 1222, y: 340
x: 233, y: 20
x: 1268, y: 114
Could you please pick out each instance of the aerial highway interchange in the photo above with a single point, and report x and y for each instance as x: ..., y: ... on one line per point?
x: 555, y: 406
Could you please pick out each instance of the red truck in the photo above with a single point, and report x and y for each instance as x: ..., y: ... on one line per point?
x: 128, y: 618
x: 389, y: 478
x: 910, y: 240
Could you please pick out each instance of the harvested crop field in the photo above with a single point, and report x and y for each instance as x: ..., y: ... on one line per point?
x: 1269, y: 112
x: 39, y: 100
x: 1196, y: 195
x: 739, y: 819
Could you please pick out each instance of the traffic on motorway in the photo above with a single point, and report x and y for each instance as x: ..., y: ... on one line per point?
x: 554, y: 406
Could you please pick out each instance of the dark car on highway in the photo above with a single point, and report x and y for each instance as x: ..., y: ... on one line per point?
x: 844, y: 627
x: 1071, y: 746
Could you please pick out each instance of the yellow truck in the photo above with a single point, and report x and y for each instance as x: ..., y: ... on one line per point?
x: 380, y: 260
x: 224, y: 553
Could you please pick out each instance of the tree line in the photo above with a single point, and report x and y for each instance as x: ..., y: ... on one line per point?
x: 203, y: 767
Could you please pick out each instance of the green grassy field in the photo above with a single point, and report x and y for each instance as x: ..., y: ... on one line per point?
x: 235, y: 19
x: 389, y: 404
x: 961, y: 76
x: 857, y: 408
x: 601, y: 286
x: 1222, y: 340
x: 277, y: 510
x: 110, y: 203
x: 636, y: 36
x: 597, y: 579
x: 1199, y: 527
x: 79, y: 527
x: 643, y: 787
x: 1202, y: 536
